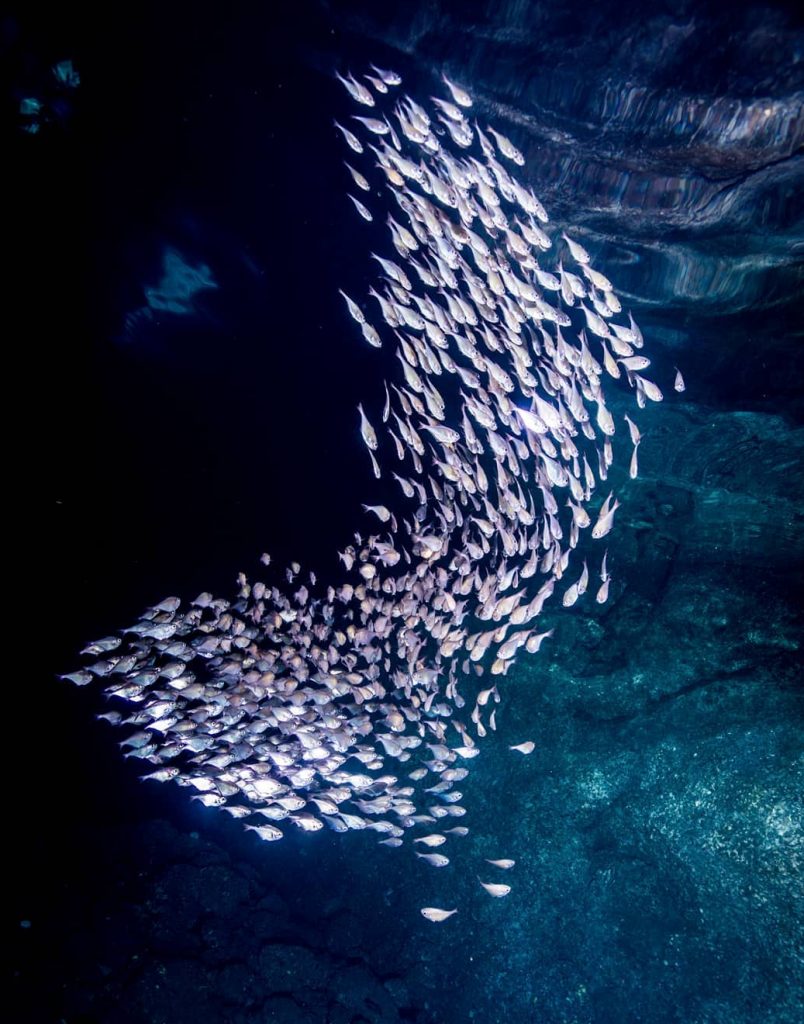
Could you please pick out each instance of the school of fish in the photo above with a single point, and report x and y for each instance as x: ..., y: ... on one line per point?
x: 361, y: 706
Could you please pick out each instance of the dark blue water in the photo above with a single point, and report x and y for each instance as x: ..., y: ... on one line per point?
x: 181, y: 384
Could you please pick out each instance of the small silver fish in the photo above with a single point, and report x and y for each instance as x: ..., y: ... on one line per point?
x: 352, y: 140
x: 437, y: 860
x: 496, y: 889
x: 459, y: 95
x: 435, y: 839
x: 437, y: 914
x: 361, y: 209
x: 270, y: 833
x: 358, y: 178
x: 357, y: 314
x: 356, y: 90
x: 388, y: 77
x: 367, y: 431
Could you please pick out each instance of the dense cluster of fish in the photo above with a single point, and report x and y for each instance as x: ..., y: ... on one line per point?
x: 361, y: 706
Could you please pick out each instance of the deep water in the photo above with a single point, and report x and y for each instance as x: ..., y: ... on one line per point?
x: 181, y: 382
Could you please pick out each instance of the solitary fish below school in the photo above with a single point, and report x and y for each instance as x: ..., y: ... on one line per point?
x: 436, y: 914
